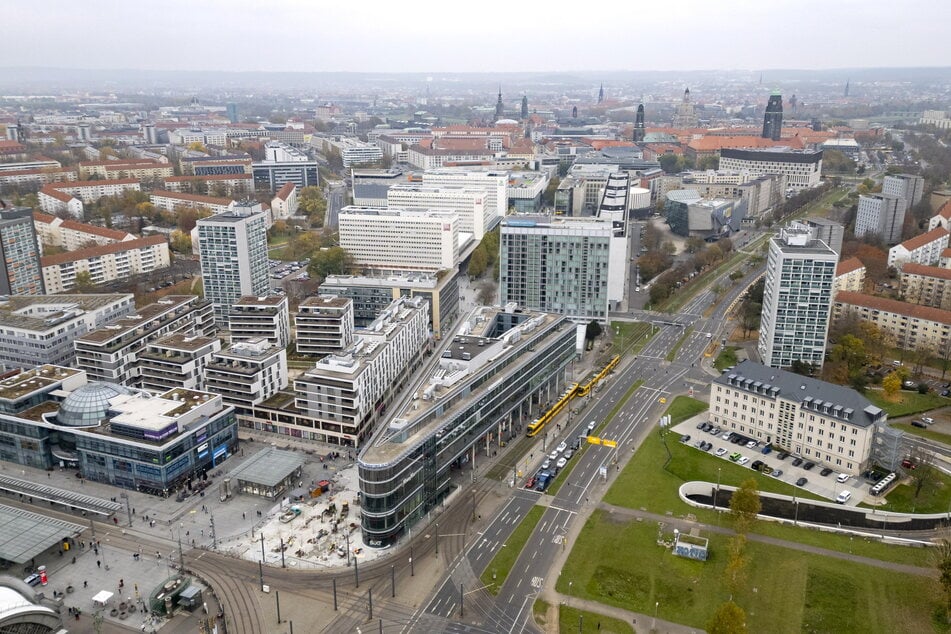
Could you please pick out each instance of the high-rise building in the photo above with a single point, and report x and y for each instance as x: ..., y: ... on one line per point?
x: 639, y: 124
x: 524, y: 107
x: 829, y: 231
x: 556, y: 266
x: 149, y: 133
x: 232, y: 248
x: 399, y: 240
x: 324, y: 325
x: 20, y: 269
x: 601, y: 94
x: 773, y: 119
x: 908, y: 187
x: 797, y: 299
x: 232, y: 110
x: 880, y: 215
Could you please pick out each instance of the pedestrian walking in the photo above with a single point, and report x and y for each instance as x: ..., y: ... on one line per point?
x: 85, y: 583
x: 243, y: 516
x: 98, y: 564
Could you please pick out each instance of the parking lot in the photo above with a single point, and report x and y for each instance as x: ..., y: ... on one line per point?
x: 280, y: 272
x: 793, y: 470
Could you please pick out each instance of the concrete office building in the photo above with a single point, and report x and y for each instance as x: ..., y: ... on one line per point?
x: 371, y: 187
x: 111, y: 353
x: 400, y: 240
x: 797, y: 299
x: 880, y: 215
x: 20, y: 269
x: 232, y: 248
x: 525, y: 191
x: 114, y: 434
x: 38, y: 329
x: 558, y: 266
x: 247, y: 373
x: 492, y: 182
x: 324, y: 325
x: 501, y: 363
x: 177, y: 360
x: 802, y: 168
x: 284, y: 164
x: 828, y: 424
x: 468, y: 204
x: 261, y: 317
x: 371, y: 295
x: 346, y: 393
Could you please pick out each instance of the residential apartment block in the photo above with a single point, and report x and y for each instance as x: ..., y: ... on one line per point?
x: 248, y: 373
x: 910, y: 326
x: 218, y: 186
x: 62, y: 197
x: 71, y: 235
x: 926, y: 285
x: 111, y: 353
x: 797, y: 299
x: 284, y: 203
x: 265, y: 317
x: 850, y: 275
x: 137, y: 169
x: 105, y: 263
x: 177, y: 360
x: 20, y: 269
x: 880, y: 215
x: 923, y: 249
x: 828, y: 424
x: 38, y: 329
x: 324, y: 325
x: 172, y: 201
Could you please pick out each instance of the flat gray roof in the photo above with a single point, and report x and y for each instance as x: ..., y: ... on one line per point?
x: 268, y: 467
x: 24, y: 534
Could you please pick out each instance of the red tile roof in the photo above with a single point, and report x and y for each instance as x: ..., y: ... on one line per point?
x: 945, y: 210
x: 285, y: 191
x: 926, y: 271
x: 117, y: 181
x: 52, y: 192
x: 210, y: 177
x: 919, y: 241
x: 47, y: 170
x: 894, y: 306
x: 100, y: 250
x: 847, y: 266
x: 120, y: 162
x: 715, y: 143
x: 75, y: 225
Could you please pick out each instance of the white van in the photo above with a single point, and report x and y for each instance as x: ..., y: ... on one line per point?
x: 844, y: 497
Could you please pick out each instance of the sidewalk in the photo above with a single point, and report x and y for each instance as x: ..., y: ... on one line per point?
x: 640, y: 622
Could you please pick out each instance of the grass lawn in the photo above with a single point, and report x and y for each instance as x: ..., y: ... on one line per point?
x: 935, y: 497
x: 540, y: 612
x: 683, y: 407
x: 910, y: 402
x: 570, y: 618
x: 673, y: 351
x: 924, y: 433
x: 726, y: 358
x: 629, y: 336
x: 496, y: 572
x: 786, y: 591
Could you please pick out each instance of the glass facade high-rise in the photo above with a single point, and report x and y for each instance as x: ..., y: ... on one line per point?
x: 773, y: 119
x: 232, y: 248
x: 797, y: 299
x: 20, y: 270
x: 556, y: 266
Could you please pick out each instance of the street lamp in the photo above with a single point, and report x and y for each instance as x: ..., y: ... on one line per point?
x: 716, y: 494
x: 654, y: 621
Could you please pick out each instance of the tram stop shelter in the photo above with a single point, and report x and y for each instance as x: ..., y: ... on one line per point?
x: 269, y: 473
x: 25, y: 535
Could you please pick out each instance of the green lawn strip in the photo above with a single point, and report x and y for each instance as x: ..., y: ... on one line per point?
x: 540, y: 612
x: 684, y: 407
x: 910, y: 403
x: 935, y: 497
x: 685, y: 293
x: 673, y: 351
x: 569, y: 620
x: 643, y: 484
x: 924, y: 433
x: 498, y: 569
x: 786, y: 590
x: 629, y: 336
x: 823, y: 204
x: 726, y: 358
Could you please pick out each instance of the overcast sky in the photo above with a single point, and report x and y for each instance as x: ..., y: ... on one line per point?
x: 473, y: 35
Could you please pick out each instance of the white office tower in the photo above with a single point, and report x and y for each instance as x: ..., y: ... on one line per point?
x: 493, y: 182
x: 880, y: 215
x: 232, y: 247
x: 466, y: 202
x: 797, y: 299
x: 399, y: 240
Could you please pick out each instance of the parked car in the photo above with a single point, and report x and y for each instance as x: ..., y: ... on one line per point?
x: 716, y: 431
x: 777, y: 473
x: 766, y: 469
x: 797, y: 461
x: 743, y: 460
x: 927, y: 420
x: 842, y: 478
x: 825, y: 471
x: 707, y: 446
x: 751, y: 444
x: 767, y: 450
x: 735, y: 456
x: 801, y: 482
x: 918, y: 424
x: 783, y: 455
x: 702, y: 426
x: 561, y: 462
x: 843, y: 497
x: 685, y: 438
x: 721, y: 451
x: 757, y: 465
x: 809, y: 465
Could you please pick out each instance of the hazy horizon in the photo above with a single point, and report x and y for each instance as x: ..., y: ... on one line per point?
x: 433, y: 37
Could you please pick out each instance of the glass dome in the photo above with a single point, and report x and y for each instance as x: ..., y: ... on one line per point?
x: 89, y: 404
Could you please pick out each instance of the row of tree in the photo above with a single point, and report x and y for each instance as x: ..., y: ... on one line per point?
x: 675, y: 276
x: 485, y: 257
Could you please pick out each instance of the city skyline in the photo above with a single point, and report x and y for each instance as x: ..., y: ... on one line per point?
x: 245, y: 36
